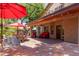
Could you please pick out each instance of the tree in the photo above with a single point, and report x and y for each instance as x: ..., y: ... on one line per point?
x: 34, y: 10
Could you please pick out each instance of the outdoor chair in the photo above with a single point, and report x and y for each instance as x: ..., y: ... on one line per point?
x: 21, y: 36
x: 44, y: 35
x: 15, y: 41
x: 7, y: 43
x: 33, y: 35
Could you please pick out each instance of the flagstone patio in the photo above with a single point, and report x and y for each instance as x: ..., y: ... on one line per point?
x: 43, y: 47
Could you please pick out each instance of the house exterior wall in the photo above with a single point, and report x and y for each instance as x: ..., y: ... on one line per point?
x: 78, y: 28
x: 70, y: 25
x: 71, y: 30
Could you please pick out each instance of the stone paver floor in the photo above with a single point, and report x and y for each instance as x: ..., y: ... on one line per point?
x: 43, y: 47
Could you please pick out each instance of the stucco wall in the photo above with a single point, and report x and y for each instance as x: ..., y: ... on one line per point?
x: 71, y: 30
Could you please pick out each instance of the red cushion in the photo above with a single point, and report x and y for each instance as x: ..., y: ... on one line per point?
x: 44, y: 34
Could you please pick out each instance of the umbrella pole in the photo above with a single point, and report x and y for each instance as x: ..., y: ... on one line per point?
x: 17, y: 30
x: 2, y: 33
x: 1, y: 29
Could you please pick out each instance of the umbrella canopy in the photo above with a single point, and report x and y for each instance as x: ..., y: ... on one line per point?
x: 16, y: 25
x: 12, y: 11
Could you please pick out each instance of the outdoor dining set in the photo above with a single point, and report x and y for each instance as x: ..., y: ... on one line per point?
x: 12, y: 11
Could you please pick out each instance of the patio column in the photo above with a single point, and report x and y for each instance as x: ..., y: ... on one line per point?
x: 37, y: 31
x: 30, y: 31
x: 41, y: 29
x: 49, y: 30
x: 78, y: 29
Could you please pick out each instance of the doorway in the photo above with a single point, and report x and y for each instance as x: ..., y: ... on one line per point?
x: 59, y: 32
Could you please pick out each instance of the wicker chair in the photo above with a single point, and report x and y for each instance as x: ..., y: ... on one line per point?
x: 21, y: 36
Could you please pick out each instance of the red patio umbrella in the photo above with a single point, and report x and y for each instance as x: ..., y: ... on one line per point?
x: 11, y: 11
x: 16, y: 25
